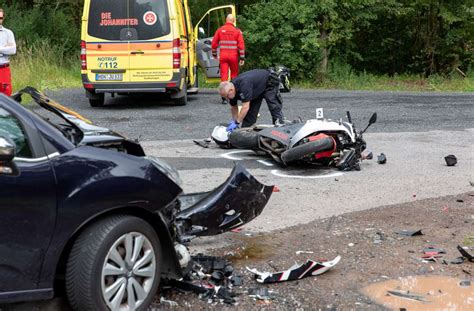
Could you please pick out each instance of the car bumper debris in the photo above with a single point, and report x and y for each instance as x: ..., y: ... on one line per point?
x: 296, y: 272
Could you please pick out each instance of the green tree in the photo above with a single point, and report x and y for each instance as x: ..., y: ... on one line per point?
x: 301, y: 34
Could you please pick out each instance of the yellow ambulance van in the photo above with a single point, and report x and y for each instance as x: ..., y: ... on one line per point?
x: 146, y: 46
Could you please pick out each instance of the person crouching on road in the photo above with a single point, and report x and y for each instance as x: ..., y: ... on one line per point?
x: 230, y: 41
x: 7, y: 48
x: 251, y: 87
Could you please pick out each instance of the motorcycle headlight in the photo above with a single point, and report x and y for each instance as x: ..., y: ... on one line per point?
x: 166, y: 169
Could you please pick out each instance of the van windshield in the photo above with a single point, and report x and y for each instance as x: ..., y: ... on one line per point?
x: 128, y: 19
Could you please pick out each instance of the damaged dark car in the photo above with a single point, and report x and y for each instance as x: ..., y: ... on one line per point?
x: 84, y: 212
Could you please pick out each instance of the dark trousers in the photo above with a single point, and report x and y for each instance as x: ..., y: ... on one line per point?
x: 274, y: 102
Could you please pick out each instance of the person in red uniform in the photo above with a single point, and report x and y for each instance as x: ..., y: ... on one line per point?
x: 230, y: 42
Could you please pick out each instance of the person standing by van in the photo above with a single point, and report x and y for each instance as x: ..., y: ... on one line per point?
x: 230, y: 41
x: 7, y: 48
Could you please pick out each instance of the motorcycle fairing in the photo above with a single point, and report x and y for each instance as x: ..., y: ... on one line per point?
x: 282, y: 134
x: 236, y: 202
x: 316, y: 126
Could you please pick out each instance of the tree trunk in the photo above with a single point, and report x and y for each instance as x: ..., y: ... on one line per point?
x: 323, y: 65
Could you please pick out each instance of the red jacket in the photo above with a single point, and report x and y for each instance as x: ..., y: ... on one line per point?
x: 230, y: 40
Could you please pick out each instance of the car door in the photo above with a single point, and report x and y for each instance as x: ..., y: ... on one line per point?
x: 27, y: 206
x: 204, y: 33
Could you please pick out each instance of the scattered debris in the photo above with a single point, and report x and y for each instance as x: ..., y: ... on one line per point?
x: 407, y: 295
x: 465, y: 254
x: 369, y: 156
x: 457, y: 261
x: 431, y: 251
x: 304, y: 252
x: 379, y: 237
x: 451, y: 160
x: 170, y: 302
x: 276, y: 189
x: 466, y: 271
x: 236, y: 230
x: 296, y: 272
x: 350, y: 244
x: 210, y: 277
x: 405, y: 232
x: 460, y: 200
x: 465, y: 283
x: 381, y: 159
x: 261, y: 293
x: 203, y: 143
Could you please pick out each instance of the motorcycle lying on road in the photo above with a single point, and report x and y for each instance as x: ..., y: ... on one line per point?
x: 315, y: 142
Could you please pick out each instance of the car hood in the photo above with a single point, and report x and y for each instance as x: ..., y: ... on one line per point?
x: 90, y: 134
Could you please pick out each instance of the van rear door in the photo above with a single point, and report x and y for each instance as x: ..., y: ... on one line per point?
x: 151, y: 45
x: 107, y: 41
x: 204, y: 32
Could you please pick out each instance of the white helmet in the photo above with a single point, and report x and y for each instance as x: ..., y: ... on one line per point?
x: 221, y: 136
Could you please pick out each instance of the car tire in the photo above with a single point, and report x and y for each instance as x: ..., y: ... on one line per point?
x: 111, y: 259
x: 98, y: 101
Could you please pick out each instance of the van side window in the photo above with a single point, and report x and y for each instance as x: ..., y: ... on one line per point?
x: 147, y: 19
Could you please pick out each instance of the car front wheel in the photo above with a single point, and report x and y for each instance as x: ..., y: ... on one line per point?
x: 114, y: 265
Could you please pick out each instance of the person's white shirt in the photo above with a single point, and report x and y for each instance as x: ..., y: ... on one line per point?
x: 7, y: 45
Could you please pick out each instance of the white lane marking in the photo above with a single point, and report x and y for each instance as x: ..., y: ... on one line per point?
x: 230, y: 155
x: 265, y: 162
x: 286, y: 175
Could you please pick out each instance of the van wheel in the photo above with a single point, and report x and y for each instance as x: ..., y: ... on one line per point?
x: 182, y: 101
x: 98, y: 101
x: 114, y: 264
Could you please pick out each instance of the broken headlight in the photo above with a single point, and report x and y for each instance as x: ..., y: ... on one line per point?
x: 166, y: 169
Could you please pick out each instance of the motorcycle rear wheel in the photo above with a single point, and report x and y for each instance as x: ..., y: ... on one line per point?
x: 245, y: 138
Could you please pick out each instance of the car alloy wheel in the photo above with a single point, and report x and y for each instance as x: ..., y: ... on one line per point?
x: 128, y: 272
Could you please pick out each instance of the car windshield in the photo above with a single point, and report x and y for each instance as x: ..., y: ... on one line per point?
x: 127, y: 20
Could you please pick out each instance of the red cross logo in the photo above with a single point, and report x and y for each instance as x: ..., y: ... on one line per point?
x: 149, y: 18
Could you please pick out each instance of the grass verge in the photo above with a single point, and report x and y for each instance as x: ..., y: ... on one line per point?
x: 43, y: 68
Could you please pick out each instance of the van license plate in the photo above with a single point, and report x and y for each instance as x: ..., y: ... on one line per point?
x: 108, y: 77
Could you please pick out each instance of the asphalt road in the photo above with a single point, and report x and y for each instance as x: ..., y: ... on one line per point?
x: 414, y: 130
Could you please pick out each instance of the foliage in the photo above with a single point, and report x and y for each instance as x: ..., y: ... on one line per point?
x: 323, y: 42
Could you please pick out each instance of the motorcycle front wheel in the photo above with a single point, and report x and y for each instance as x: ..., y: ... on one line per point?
x: 300, y: 151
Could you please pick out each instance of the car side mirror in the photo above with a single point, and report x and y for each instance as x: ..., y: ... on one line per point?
x: 7, y: 149
x: 373, y: 118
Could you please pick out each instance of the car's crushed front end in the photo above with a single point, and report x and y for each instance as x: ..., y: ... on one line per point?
x: 234, y: 203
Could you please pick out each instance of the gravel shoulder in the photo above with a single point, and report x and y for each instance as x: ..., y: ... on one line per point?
x: 444, y: 221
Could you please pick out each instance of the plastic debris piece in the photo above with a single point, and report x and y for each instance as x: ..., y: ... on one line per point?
x: 457, y: 261
x: 460, y: 200
x: 465, y: 254
x: 451, y: 160
x: 236, y: 280
x: 276, y: 189
x: 369, y: 156
x: 304, y: 252
x: 261, y: 293
x: 296, y: 272
x: 431, y: 250
x: 407, y: 295
x: 204, y: 143
x: 236, y: 230
x: 405, y: 232
x: 170, y: 302
x: 381, y: 159
x: 465, y: 283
